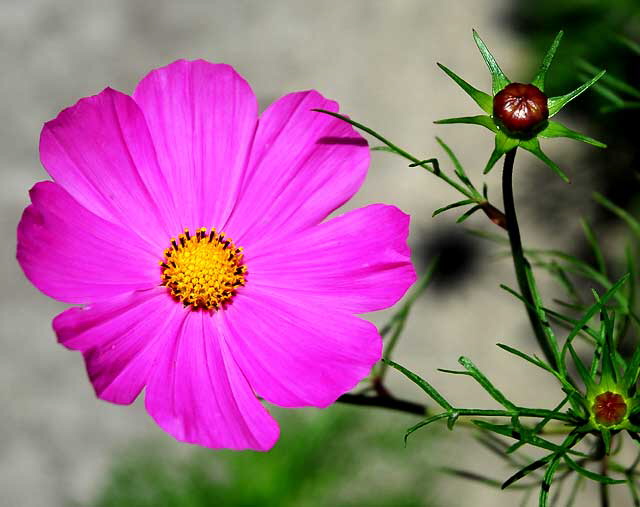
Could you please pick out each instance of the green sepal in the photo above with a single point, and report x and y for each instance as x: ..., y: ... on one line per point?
x: 557, y: 103
x: 555, y: 129
x: 483, y: 120
x: 484, y: 100
x: 533, y: 146
x: 503, y: 144
x: 582, y: 370
x: 498, y: 79
x: 539, y: 79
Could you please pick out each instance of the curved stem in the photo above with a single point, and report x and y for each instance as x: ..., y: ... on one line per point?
x: 519, y: 261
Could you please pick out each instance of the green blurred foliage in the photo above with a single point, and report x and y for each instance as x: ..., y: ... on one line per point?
x: 341, y: 456
x: 592, y: 31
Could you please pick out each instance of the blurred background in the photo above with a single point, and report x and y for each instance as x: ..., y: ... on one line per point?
x: 60, y: 446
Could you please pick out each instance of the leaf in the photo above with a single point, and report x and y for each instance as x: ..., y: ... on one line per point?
x: 459, y: 170
x: 484, y: 100
x: 547, y: 480
x: 603, y: 479
x: 582, y: 369
x: 452, y: 206
x: 533, y: 146
x: 486, y: 383
x: 482, y: 120
x: 555, y: 129
x: 557, y: 103
x: 595, y: 247
x: 468, y: 213
x: 498, y: 79
x: 633, y: 224
x: 540, y: 77
x: 423, y: 384
x: 424, y: 423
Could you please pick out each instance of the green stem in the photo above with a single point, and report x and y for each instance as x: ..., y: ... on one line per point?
x: 519, y: 261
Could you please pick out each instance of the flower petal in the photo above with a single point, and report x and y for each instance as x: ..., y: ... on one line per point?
x: 75, y: 256
x: 298, y: 354
x: 359, y: 261
x: 202, y: 118
x: 198, y: 394
x: 303, y: 165
x: 100, y: 152
x: 120, y: 339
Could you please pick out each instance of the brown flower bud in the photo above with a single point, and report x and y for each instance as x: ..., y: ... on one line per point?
x: 520, y: 108
x: 609, y: 408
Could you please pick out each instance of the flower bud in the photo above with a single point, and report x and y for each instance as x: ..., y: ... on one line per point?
x: 520, y: 108
x: 609, y: 408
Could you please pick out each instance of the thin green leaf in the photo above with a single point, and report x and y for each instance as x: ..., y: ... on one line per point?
x: 423, y: 384
x: 633, y: 224
x: 486, y: 383
x: 540, y: 78
x: 424, y: 423
x: 498, y: 79
x: 452, y: 206
x: 595, y: 247
x: 557, y: 103
x: 610, y: 80
x: 547, y: 480
x: 459, y: 170
x: 484, y: 100
x: 468, y: 213
x: 603, y: 479
x: 533, y: 146
x: 523, y: 472
x: 555, y: 129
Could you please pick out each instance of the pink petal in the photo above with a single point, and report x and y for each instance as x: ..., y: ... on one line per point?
x: 100, y: 151
x: 198, y: 394
x: 303, y: 165
x: 358, y: 262
x: 202, y: 118
x: 75, y: 256
x: 120, y: 339
x: 295, y: 353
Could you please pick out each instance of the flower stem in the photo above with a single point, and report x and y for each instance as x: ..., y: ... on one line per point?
x: 519, y: 261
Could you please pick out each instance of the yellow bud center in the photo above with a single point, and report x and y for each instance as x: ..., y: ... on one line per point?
x: 203, y: 271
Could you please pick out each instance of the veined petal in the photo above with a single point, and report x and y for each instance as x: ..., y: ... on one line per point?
x: 303, y: 165
x: 120, y: 339
x: 99, y: 151
x: 358, y: 261
x: 202, y: 118
x: 75, y: 256
x: 198, y: 394
x: 298, y: 354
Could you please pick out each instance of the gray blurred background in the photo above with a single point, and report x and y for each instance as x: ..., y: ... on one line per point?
x: 377, y: 58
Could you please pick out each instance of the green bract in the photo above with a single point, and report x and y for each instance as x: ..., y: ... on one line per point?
x: 504, y: 140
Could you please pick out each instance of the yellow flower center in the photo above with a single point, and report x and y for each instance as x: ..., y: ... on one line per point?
x: 203, y: 271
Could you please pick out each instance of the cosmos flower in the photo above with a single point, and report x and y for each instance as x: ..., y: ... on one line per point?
x: 192, y: 231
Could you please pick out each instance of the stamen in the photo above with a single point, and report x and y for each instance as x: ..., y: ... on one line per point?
x: 203, y: 271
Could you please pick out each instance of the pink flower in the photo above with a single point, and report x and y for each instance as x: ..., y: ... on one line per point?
x: 206, y: 319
